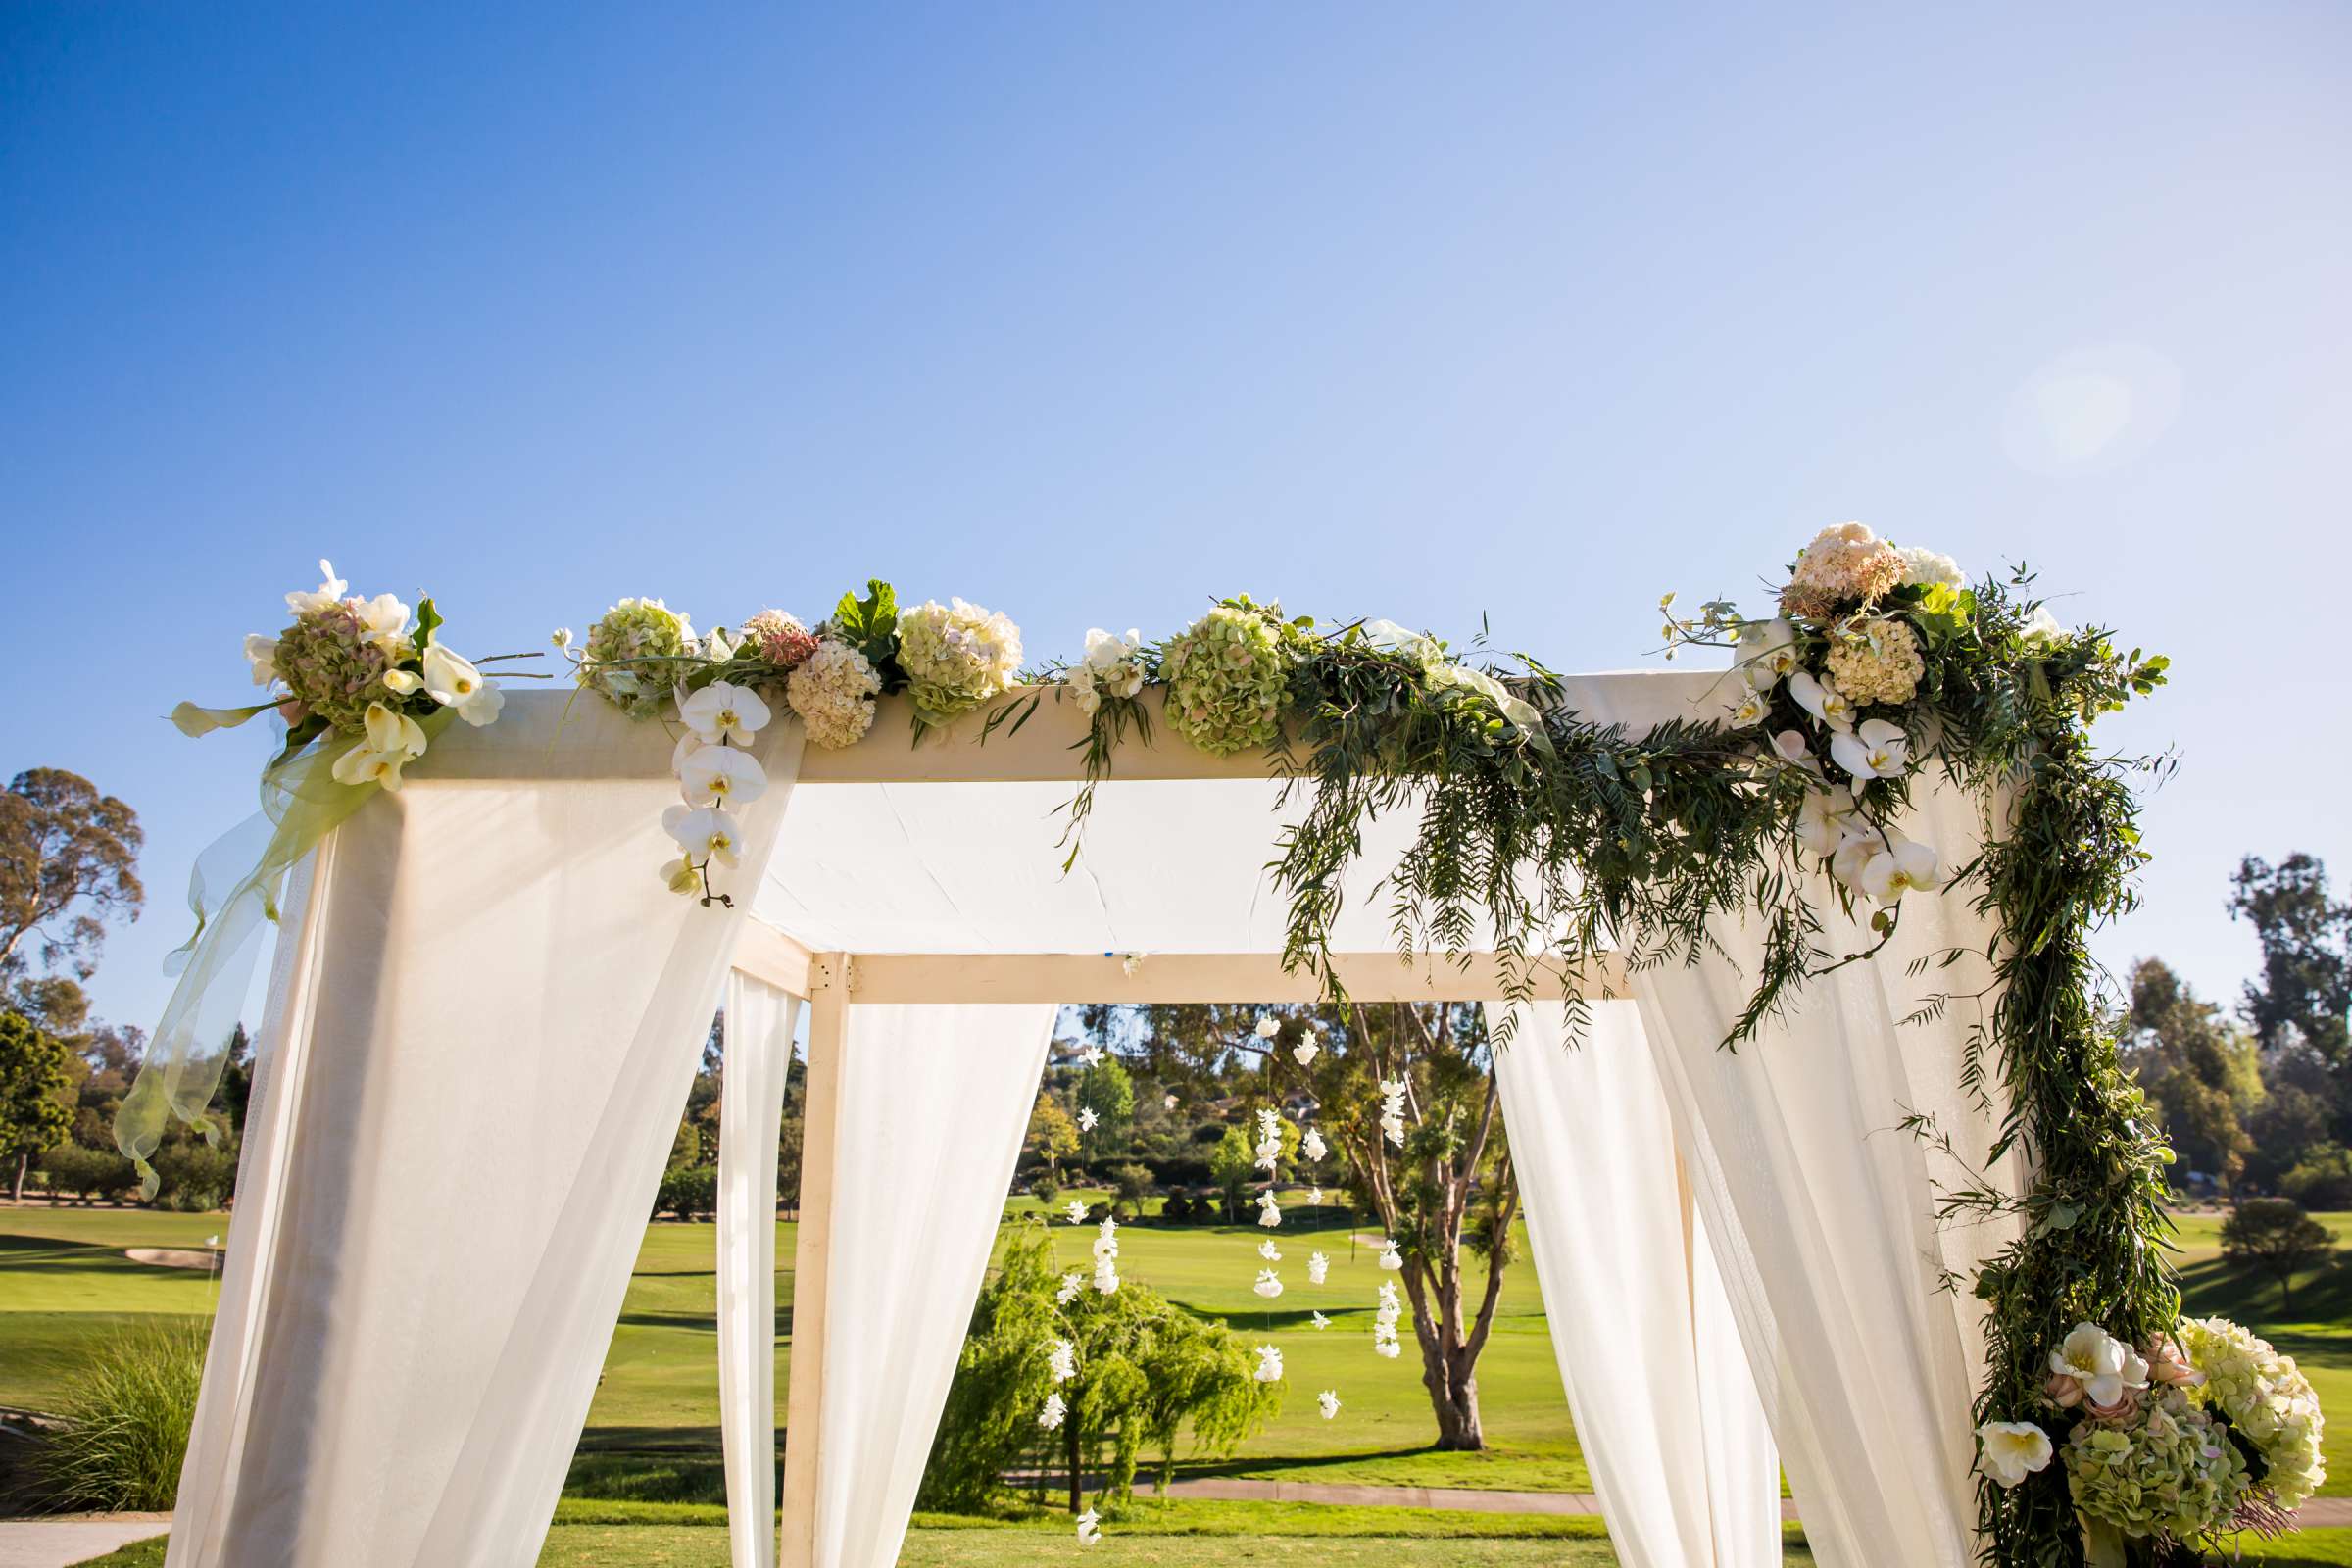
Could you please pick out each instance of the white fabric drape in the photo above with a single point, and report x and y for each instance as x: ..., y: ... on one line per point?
x: 933, y: 1101
x: 759, y: 1061
x: 1666, y: 1411
x: 424, y: 1278
x: 1824, y: 1206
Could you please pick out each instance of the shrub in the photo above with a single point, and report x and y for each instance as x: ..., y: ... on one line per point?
x: 2322, y: 1178
x: 1177, y: 1210
x: 194, y: 1176
x: 2276, y: 1236
x: 88, y: 1173
x: 124, y: 1424
x: 687, y: 1190
x: 1045, y: 1187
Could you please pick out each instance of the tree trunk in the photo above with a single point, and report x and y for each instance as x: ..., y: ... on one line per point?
x: 1077, y: 1490
x: 1450, y: 1375
x: 24, y: 1160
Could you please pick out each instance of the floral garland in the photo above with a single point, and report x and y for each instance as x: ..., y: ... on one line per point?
x: 1566, y: 839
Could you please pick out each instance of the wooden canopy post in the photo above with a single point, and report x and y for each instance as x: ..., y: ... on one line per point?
x: 830, y: 977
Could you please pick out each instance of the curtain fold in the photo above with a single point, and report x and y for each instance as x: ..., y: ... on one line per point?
x: 1852, y: 1299
x: 933, y: 1101
x: 427, y: 1277
x: 759, y: 1062
x: 1666, y: 1411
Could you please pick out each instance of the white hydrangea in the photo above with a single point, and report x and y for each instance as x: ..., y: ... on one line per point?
x: 1930, y: 566
x: 957, y: 655
x: 833, y: 691
x: 2266, y: 1399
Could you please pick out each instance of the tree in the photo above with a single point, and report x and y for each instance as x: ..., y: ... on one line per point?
x: 1053, y: 1136
x: 1131, y: 1184
x: 2201, y: 1070
x: 1143, y: 1373
x: 2305, y: 993
x: 69, y: 860
x: 36, y: 1104
x: 2274, y: 1234
x: 1106, y: 1089
x: 1446, y: 1186
x: 1231, y: 1165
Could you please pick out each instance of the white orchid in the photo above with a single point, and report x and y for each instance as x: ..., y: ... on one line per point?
x: 1312, y: 1145
x: 453, y: 682
x: 1105, y: 651
x: 1903, y: 866
x: 560, y: 637
x: 1269, y: 1284
x: 1744, y: 707
x: 1268, y: 1250
x: 1317, y: 1266
x: 1168, y: 1104
x: 1329, y: 1403
x: 1090, y: 1527
x: 1822, y: 699
x: 1826, y: 822
x: 724, y: 712
x: 2043, y: 628
x: 1853, y: 856
x: 1305, y: 1051
x: 1092, y: 1056
x: 1061, y: 1361
x: 1766, y: 652
x: 1268, y: 1026
x: 2011, y: 1451
x: 1088, y: 1120
x: 262, y: 653
x: 1316, y: 1320
x: 331, y: 592
x: 1080, y: 679
x: 680, y: 876
x: 1071, y: 1285
x: 1050, y: 1417
x: 1270, y: 1365
x: 721, y: 775
x: 1390, y: 1256
x: 1791, y: 747
x: 2099, y: 1365
x: 1076, y: 1210
x: 1314, y: 1198
x: 1876, y: 750
x: 706, y: 832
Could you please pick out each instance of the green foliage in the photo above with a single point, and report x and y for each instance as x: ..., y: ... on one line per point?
x: 2201, y: 1071
x: 1130, y: 1184
x: 2322, y: 1178
x: 1052, y: 1135
x: 36, y: 1088
x: 1146, y: 1373
x: 2276, y: 1236
x: 687, y: 1190
x: 90, y: 1174
x: 1106, y: 1089
x: 871, y: 626
x: 124, y: 1424
x: 193, y: 1176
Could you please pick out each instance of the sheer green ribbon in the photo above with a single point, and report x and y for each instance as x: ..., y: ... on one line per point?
x: 235, y: 892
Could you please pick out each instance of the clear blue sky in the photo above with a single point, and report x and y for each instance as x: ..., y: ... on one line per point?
x: 1092, y: 313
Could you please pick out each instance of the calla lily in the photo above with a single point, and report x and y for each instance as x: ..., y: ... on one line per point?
x: 388, y: 731
x: 330, y: 592
x: 364, y: 764
x: 262, y: 653
x: 2011, y: 1451
x: 709, y: 832
x: 721, y: 775
x: 1822, y: 699
x: 1876, y: 750
x: 724, y: 712
x: 1904, y: 868
x: 453, y: 682
x: 401, y: 682
x: 1767, y: 652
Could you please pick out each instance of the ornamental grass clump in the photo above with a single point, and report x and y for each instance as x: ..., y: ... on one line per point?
x: 124, y: 1424
x: 1226, y: 678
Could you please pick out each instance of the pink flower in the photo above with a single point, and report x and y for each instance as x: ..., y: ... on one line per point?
x: 2167, y: 1364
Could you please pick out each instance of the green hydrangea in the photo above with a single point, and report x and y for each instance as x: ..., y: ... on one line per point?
x: 631, y: 655
x: 2265, y: 1397
x: 956, y: 657
x: 334, y: 665
x: 2168, y: 1469
x: 1226, y: 675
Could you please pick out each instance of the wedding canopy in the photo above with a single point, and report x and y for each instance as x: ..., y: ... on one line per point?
x: 1739, y: 1250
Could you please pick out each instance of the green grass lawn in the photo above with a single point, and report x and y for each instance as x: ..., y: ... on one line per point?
x: 653, y: 1432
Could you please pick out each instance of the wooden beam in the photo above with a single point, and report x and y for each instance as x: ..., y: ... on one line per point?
x: 766, y: 954
x: 1199, y: 977
x: 820, y: 1153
